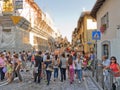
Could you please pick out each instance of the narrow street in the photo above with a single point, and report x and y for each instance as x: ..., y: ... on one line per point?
x: 28, y: 84
x: 59, y: 45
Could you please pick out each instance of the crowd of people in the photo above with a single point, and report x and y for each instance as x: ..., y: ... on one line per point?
x: 11, y: 64
x: 66, y: 65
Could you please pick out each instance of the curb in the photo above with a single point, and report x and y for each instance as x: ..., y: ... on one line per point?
x: 100, y: 88
x: 95, y: 82
x: 86, y: 84
x: 3, y: 84
x: 6, y: 82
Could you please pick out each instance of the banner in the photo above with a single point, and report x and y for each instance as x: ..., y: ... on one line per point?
x: 18, y: 4
x: 15, y: 19
x: 8, y: 6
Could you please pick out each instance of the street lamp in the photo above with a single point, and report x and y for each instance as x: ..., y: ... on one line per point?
x: 89, y: 43
x: 118, y: 28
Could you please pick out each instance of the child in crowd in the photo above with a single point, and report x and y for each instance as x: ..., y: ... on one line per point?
x: 71, y: 69
x: 32, y: 60
x: 9, y: 72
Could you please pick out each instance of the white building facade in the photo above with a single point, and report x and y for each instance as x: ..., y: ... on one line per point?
x: 25, y: 28
x: 107, y: 15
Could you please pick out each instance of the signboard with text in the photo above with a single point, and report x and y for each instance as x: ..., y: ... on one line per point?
x: 18, y: 4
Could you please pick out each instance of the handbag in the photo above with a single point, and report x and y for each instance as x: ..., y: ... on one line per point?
x: 50, y: 68
x: 60, y: 64
x: 4, y: 69
x: 117, y: 74
x: 36, y: 69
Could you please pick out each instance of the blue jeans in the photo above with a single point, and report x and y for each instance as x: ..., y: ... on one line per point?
x: 49, y: 73
x: 2, y: 74
x: 37, y: 76
x: 55, y: 72
x: 63, y: 74
x: 79, y: 72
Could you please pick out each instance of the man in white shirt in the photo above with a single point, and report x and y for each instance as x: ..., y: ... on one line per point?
x: 106, y: 63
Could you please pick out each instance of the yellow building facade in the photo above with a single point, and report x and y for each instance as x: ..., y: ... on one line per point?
x: 83, y: 33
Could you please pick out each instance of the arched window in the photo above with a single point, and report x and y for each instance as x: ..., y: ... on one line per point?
x: 106, y: 48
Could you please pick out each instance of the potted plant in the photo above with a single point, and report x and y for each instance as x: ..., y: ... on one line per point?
x: 103, y: 28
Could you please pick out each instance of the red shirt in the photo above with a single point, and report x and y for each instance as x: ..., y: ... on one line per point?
x: 33, y: 58
x: 114, y: 68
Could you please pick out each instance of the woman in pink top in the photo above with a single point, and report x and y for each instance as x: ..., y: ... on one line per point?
x: 114, y: 66
x: 2, y: 74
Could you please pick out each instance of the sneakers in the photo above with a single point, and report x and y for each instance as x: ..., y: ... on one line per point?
x: 27, y: 70
x: 71, y: 82
x: 54, y: 80
x: 83, y: 78
x: 79, y: 82
x: 47, y: 83
x: 22, y: 70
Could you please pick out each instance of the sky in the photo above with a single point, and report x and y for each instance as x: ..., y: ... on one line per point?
x: 65, y: 13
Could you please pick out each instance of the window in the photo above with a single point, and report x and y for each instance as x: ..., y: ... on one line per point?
x: 105, y: 20
x: 106, y: 50
x: 6, y: 30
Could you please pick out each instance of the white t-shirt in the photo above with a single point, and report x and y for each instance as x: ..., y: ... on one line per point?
x: 106, y: 63
x: 63, y: 60
x: 78, y: 64
x: 44, y: 57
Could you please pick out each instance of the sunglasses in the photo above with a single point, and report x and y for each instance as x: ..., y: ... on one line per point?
x: 112, y: 59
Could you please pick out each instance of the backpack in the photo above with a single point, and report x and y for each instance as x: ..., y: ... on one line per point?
x: 23, y: 57
x: 60, y: 64
x: 50, y: 68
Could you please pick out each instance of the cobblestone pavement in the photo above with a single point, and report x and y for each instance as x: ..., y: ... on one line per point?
x: 28, y: 84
